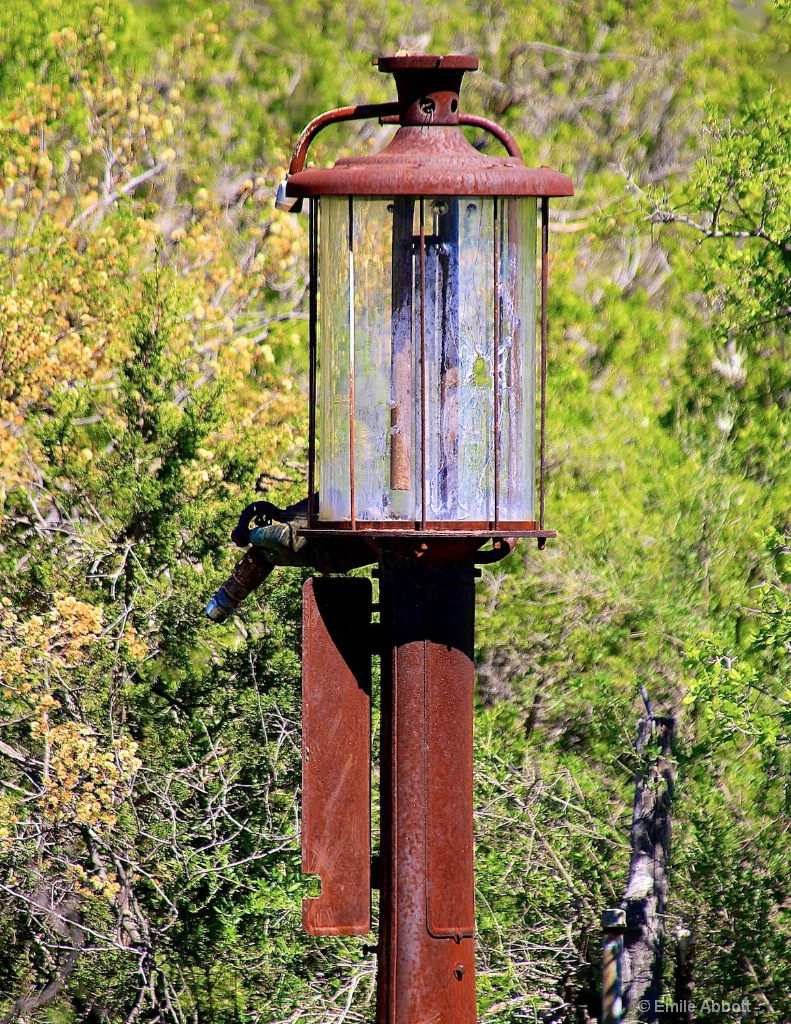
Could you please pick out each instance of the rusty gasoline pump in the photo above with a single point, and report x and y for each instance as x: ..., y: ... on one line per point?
x: 425, y: 297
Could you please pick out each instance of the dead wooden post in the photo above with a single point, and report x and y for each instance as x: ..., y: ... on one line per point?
x: 646, y: 892
x: 613, y: 923
x: 684, y: 981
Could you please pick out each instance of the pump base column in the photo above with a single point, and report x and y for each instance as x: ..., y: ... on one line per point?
x: 426, y: 967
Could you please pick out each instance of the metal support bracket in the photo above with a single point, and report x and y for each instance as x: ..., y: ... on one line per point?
x: 336, y: 753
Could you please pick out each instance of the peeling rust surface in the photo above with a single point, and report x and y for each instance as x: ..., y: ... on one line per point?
x: 336, y: 754
x: 436, y: 162
x: 426, y: 974
x: 450, y: 909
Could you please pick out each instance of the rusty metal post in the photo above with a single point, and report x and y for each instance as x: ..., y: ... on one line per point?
x: 613, y: 923
x: 426, y: 968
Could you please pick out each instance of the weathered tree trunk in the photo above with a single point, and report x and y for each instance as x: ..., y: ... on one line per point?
x: 646, y: 892
x: 684, y: 982
x: 65, y: 919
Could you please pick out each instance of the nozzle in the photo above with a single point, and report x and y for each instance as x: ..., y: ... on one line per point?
x: 220, y: 606
x: 250, y: 572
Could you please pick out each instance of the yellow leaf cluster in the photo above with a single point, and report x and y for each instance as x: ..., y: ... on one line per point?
x: 42, y: 345
x: 87, y: 179
x: 85, y: 776
x: 33, y: 647
x: 86, y: 780
x: 93, y: 885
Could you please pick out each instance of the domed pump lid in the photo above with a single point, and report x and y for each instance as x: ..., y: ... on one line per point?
x: 429, y: 154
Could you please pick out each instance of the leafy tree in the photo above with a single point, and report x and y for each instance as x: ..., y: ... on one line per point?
x: 152, y: 344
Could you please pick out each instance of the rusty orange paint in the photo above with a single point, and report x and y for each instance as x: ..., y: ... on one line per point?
x: 426, y: 954
x: 450, y: 906
x: 336, y: 754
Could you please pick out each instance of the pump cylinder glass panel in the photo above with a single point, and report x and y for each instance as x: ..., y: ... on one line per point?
x: 426, y: 361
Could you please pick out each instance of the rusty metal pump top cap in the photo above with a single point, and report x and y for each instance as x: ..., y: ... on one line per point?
x: 429, y: 154
x: 428, y: 87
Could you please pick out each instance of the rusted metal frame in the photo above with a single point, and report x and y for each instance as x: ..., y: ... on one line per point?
x: 496, y: 363
x: 435, y: 350
x: 352, y: 514
x: 416, y: 161
x: 544, y: 289
x: 408, y: 526
x: 392, y: 964
x: 426, y: 62
x: 428, y: 91
x: 427, y: 894
x: 387, y: 946
x: 449, y: 612
x: 361, y: 112
x: 434, y: 531
x: 422, y: 364
x: 469, y: 526
x: 336, y: 753
x: 434, y: 164
x: 312, y: 353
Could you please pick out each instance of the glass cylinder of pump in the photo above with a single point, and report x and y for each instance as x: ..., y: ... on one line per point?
x: 427, y: 359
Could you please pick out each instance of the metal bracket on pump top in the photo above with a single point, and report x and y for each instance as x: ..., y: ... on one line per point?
x: 336, y: 753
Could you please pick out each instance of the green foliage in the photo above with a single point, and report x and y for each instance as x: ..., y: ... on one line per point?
x: 152, y: 339
x: 736, y: 380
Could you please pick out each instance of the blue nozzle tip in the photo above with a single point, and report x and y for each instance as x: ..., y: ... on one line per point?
x: 220, y: 607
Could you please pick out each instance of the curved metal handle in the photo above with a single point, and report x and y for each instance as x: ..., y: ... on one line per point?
x: 387, y: 113
x: 503, y: 136
x: 501, y: 548
x: 359, y: 113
